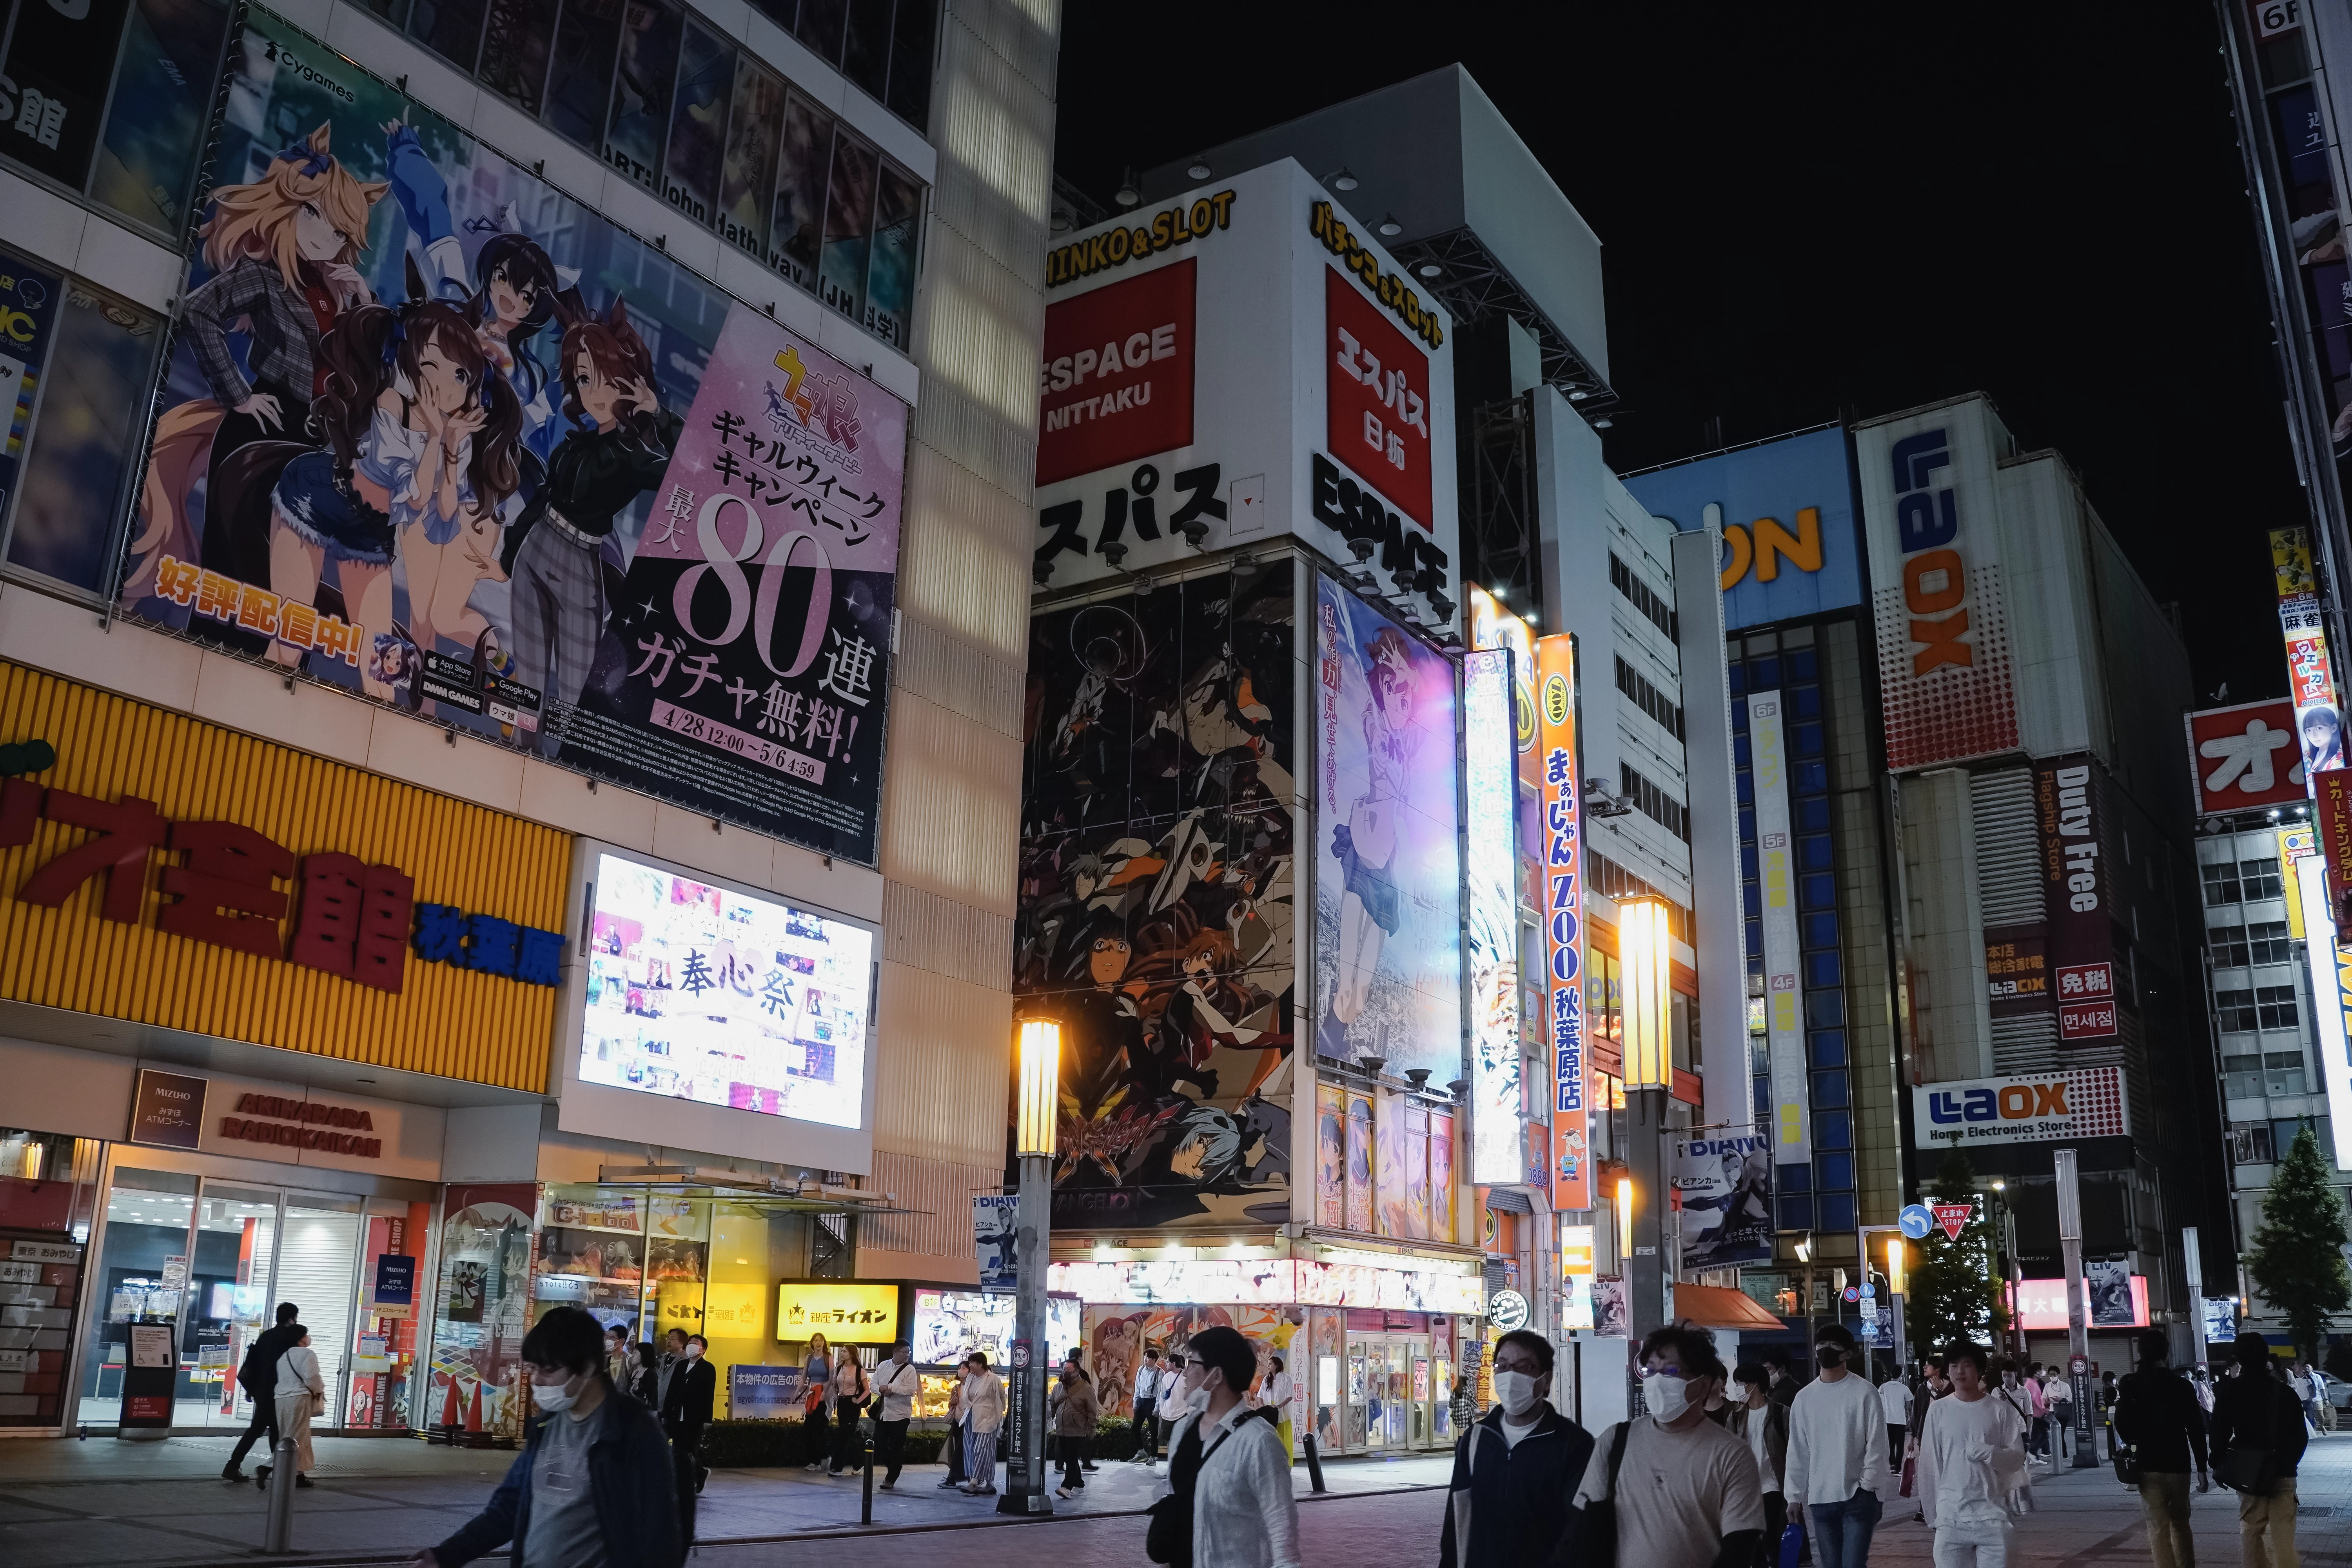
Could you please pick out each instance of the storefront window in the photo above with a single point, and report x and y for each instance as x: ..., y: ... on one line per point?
x: 479, y: 1315
x: 143, y: 1271
x: 45, y: 1182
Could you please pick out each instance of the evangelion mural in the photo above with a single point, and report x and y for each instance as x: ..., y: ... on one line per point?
x: 1156, y: 883
x: 432, y: 431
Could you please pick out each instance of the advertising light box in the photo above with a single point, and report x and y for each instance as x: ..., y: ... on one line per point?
x: 844, y: 1313
x: 1786, y: 511
x: 1240, y: 362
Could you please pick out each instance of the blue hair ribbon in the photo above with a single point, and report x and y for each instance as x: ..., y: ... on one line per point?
x: 307, y: 160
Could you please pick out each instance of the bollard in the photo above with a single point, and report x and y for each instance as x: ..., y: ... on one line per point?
x: 866, y: 1515
x: 281, y: 1499
x: 1313, y: 1463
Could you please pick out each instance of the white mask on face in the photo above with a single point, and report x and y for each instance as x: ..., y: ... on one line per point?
x: 1517, y: 1390
x: 1197, y: 1401
x: 1669, y: 1397
x: 553, y: 1397
x: 693, y: 1352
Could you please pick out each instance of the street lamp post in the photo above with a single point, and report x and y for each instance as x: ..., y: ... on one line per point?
x: 1645, y: 954
x: 1035, y: 1124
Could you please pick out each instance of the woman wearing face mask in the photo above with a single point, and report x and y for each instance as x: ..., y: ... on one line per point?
x: 1229, y: 1481
x: 1507, y: 1503
x: 593, y: 1482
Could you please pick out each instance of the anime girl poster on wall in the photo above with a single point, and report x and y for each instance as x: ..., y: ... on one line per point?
x: 1156, y: 895
x: 426, y: 422
x: 1387, y: 887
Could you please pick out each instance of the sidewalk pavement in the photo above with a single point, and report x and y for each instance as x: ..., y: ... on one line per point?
x: 163, y: 1505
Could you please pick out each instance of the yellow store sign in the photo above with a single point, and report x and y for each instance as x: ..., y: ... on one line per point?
x: 841, y: 1311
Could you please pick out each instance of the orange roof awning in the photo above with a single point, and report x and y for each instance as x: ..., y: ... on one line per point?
x: 1713, y: 1307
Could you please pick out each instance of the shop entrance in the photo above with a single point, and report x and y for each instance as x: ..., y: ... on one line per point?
x: 1390, y: 1384
x: 211, y: 1258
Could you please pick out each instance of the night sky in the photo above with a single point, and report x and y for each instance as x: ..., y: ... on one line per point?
x: 1804, y: 213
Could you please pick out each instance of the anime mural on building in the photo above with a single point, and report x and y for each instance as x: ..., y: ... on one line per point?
x: 432, y: 431
x: 1388, y: 886
x: 1155, y: 905
x: 1116, y: 1335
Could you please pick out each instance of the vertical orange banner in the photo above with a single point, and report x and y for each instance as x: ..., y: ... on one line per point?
x: 1564, y: 919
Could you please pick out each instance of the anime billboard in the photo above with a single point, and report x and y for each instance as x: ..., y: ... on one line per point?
x: 436, y: 433
x: 1155, y: 903
x: 1724, y: 1186
x: 1387, y: 884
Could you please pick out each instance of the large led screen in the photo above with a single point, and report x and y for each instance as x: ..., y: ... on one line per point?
x: 697, y: 992
x: 1388, y: 886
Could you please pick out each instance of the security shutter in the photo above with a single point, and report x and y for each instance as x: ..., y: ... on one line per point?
x: 2008, y: 848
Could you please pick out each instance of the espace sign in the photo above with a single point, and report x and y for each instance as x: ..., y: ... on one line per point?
x: 1237, y: 363
x: 1944, y: 657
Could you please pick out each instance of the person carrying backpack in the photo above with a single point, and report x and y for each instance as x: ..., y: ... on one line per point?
x: 258, y: 1378
x: 1507, y: 1503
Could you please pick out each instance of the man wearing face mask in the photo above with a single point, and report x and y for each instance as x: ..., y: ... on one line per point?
x: 1507, y: 1504
x: 1242, y: 1513
x: 686, y: 1411
x: 1971, y: 1455
x: 592, y: 1487
x: 1837, y: 1455
x: 1685, y: 1490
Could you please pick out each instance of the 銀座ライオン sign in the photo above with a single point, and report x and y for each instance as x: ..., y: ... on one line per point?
x: 355, y: 886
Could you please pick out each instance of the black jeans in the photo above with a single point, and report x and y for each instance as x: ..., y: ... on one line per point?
x: 1147, y: 1429
x: 1776, y: 1522
x: 264, y: 1420
x: 848, y: 1450
x: 685, y: 1470
x: 890, y: 1447
x: 1071, y: 1449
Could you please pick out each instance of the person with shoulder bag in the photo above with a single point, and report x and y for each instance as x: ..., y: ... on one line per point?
x: 816, y: 1375
x: 300, y: 1393
x: 1229, y: 1502
x: 1515, y: 1470
x: 850, y: 1391
x: 1671, y: 1488
x: 1075, y: 1413
x: 983, y: 1411
x: 258, y: 1378
x: 2158, y: 1429
x: 2258, y: 1442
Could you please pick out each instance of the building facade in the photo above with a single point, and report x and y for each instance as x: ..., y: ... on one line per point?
x: 436, y: 885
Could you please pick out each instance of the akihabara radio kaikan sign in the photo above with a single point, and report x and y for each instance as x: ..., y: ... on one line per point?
x: 1236, y: 365
x: 1943, y: 663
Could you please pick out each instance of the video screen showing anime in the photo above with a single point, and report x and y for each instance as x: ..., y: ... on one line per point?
x: 1156, y: 895
x: 434, y: 433
x: 1388, y: 883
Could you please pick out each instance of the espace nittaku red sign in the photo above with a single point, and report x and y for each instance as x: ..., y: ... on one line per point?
x: 2246, y: 756
x: 1379, y: 399
x: 1116, y: 381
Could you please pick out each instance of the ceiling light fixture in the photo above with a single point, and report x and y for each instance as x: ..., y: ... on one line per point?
x: 1198, y: 169
x: 1127, y: 195
x: 1430, y: 270
x: 1389, y: 228
x: 1344, y: 180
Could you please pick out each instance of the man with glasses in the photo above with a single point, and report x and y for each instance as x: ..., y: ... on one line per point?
x: 1685, y: 1490
x: 1507, y: 1504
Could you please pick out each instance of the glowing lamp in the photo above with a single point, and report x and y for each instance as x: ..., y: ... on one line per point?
x: 1645, y: 949
x: 1041, y: 1074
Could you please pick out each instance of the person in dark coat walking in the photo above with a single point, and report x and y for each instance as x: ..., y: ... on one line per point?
x: 1516, y: 1471
x: 686, y: 1411
x: 593, y: 1482
x: 2257, y: 1410
x: 258, y: 1378
x: 2157, y: 1411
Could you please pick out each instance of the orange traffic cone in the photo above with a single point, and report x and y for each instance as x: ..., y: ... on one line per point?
x: 474, y: 1413
x: 449, y: 1416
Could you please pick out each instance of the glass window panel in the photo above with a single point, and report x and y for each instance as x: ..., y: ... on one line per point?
x: 1805, y: 700
x: 821, y: 26
x: 1740, y: 756
x: 1755, y: 938
x: 85, y: 436
x: 1747, y: 827
x: 2260, y: 878
x: 910, y: 63
x: 1802, y: 665
x: 231, y: 1302
x: 1805, y: 740
x: 698, y: 122
x: 1828, y: 1091
x: 1820, y: 929
x: 890, y: 274
x: 1836, y: 1172
x: 59, y: 63
x: 1825, y: 1009
x: 802, y: 164
x: 848, y: 224
x: 1810, y: 778
x: 747, y: 179
x: 1795, y: 1213
x: 450, y: 28
x: 1815, y: 851
x: 1818, y: 891
x: 2270, y: 942
x: 2220, y: 884
x: 516, y: 42
x: 1747, y: 861
x: 1829, y: 1047
x: 1833, y: 1130
x: 639, y: 118
x: 2228, y: 945
x: 147, y: 1214
x: 1794, y: 1178
x: 866, y: 46
x: 1754, y: 899
x: 1823, y: 969
x: 580, y: 88
x: 1763, y: 674
x: 783, y: 13
x: 1837, y: 1211
x: 1813, y: 815
x: 156, y: 128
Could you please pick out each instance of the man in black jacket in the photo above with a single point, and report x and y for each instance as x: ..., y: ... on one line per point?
x: 593, y: 1482
x: 686, y: 1411
x: 1516, y: 1471
x: 2157, y: 1411
x: 258, y: 1378
x: 2256, y: 1410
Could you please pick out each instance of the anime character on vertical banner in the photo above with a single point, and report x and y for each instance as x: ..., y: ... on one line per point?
x: 1611, y: 1314
x: 1117, y: 1334
x: 419, y: 416
x: 1155, y: 901
x: 1389, y: 875
x: 1726, y: 1189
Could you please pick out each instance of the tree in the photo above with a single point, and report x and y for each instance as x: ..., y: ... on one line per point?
x: 1954, y: 1290
x: 2297, y: 1258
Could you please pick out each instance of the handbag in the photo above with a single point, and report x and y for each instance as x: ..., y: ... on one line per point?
x: 1600, y: 1513
x: 2127, y: 1466
x: 2244, y: 1469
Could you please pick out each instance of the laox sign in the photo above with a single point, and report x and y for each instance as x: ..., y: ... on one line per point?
x: 2013, y: 1102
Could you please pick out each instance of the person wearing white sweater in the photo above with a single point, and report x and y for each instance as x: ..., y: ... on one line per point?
x: 1971, y: 1456
x: 301, y: 1391
x: 1837, y: 1455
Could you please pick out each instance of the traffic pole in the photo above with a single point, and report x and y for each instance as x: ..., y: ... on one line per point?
x: 280, y: 1524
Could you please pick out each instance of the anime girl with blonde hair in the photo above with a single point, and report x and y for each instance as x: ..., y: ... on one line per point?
x: 282, y: 251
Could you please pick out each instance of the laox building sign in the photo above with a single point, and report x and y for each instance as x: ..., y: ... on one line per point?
x: 1265, y: 371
